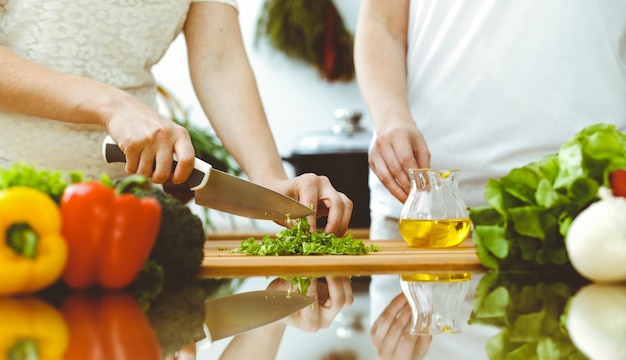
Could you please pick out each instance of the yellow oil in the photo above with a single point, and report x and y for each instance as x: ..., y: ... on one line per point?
x: 434, y: 233
x: 437, y: 277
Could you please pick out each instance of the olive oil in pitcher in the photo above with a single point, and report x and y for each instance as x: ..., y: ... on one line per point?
x: 434, y: 233
x: 434, y: 215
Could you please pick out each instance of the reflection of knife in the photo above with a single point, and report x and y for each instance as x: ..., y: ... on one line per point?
x: 224, y: 192
x: 231, y: 315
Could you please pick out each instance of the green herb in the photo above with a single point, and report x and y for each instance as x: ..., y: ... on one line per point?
x: 530, y: 210
x: 299, y: 240
x: 50, y: 182
x: 300, y: 283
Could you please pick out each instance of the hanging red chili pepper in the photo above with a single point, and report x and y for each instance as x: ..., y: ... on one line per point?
x: 330, y: 54
x: 312, y: 32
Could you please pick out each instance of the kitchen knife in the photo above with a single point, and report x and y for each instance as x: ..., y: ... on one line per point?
x: 234, y: 314
x: 221, y: 191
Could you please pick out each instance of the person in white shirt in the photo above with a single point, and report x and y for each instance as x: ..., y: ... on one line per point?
x: 481, y: 86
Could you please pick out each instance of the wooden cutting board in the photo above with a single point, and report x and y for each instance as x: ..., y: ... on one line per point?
x: 395, y: 257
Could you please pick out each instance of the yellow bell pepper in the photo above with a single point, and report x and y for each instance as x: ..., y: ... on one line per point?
x: 30, y: 328
x: 33, y: 252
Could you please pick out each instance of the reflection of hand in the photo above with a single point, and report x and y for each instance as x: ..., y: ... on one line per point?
x: 391, y: 335
x: 310, y: 189
x: 186, y: 353
x: 332, y: 297
x: 398, y: 147
x: 263, y: 342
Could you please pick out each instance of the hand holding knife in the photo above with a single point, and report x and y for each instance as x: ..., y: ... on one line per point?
x: 221, y: 191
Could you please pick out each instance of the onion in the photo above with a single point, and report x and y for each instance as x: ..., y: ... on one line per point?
x: 596, y: 239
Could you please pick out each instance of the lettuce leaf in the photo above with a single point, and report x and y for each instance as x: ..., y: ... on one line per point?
x: 530, y: 209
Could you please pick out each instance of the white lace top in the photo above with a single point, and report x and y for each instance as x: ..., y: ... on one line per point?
x: 115, y: 41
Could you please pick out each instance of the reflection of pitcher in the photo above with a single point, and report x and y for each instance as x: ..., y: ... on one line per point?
x: 434, y: 214
x: 435, y: 300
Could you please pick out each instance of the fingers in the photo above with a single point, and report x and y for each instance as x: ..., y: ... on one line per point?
x: 153, y: 156
x: 395, y: 152
x: 332, y: 297
x: 327, y: 201
x: 381, y: 326
x: 391, y: 333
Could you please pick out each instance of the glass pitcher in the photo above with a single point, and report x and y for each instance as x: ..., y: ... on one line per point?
x: 435, y: 300
x: 434, y: 215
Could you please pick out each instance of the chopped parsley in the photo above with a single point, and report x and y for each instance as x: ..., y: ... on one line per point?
x: 299, y: 240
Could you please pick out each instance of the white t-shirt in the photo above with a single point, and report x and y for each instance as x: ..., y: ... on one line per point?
x: 494, y: 85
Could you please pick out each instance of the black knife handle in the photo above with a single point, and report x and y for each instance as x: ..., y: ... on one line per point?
x: 198, y: 178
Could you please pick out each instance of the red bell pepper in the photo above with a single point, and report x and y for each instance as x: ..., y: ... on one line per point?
x: 109, y: 236
x: 617, y: 181
x: 108, y: 326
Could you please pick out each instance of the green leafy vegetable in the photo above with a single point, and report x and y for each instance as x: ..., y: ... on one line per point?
x: 531, y: 310
x: 179, y: 247
x: 299, y: 240
x: 530, y: 209
x: 50, y: 182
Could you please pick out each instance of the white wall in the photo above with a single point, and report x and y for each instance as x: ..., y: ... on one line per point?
x: 296, y: 100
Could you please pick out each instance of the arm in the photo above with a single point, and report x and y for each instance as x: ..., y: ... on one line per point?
x: 226, y: 88
x: 30, y: 89
x: 264, y: 342
x: 380, y: 62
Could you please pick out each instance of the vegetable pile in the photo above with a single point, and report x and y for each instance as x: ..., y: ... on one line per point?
x: 300, y: 240
x: 530, y: 210
x: 58, y: 228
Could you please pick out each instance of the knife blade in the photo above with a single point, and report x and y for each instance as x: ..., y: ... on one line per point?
x: 221, y: 191
x: 234, y: 314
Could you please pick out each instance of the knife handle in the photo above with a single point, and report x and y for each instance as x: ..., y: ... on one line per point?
x: 197, y: 180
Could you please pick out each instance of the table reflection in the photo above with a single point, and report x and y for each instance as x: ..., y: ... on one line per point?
x: 502, y: 316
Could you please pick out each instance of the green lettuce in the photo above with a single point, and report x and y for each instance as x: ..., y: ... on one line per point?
x: 529, y: 211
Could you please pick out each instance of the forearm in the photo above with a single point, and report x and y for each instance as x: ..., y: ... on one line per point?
x: 30, y: 89
x: 261, y: 343
x: 380, y: 59
x: 226, y: 87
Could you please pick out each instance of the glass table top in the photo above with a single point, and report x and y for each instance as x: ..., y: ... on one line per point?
x: 452, y: 315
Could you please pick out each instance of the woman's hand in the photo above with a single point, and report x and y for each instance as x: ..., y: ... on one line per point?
x: 332, y: 297
x: 391, y: 335
x: 149, y: 141
x: 317, y: 192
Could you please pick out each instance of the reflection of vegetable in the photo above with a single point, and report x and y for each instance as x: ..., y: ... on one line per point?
x: 596, y: 321
x: 30, y: 328
x: 108, y: 326
x: 530, y: 209
x: 177, y: 315
x: 529, y: 307
x: 596, y: 241
x: 109, y: 235
x: 179, y: 247
x: 299, y: 240
x: 32, y: 249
